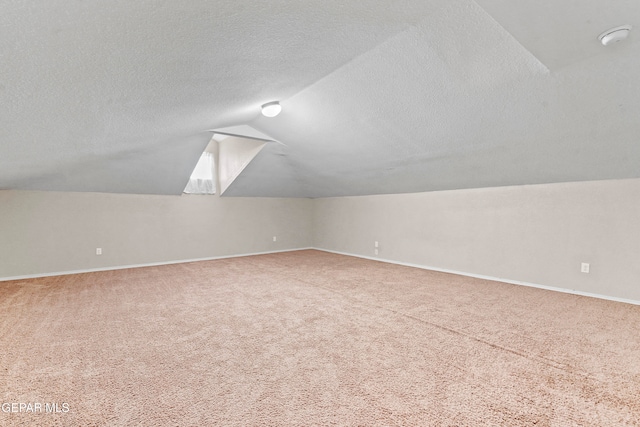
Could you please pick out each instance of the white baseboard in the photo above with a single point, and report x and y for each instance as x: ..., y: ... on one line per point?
x: 152, y: 264
x: 406, y: 264
x: 495, y: 279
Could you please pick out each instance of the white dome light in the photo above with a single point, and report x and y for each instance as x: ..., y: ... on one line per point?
x: 614, y: 35
x: 271, y: 109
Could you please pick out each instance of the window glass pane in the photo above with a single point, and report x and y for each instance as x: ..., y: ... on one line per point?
x: 202, y: 179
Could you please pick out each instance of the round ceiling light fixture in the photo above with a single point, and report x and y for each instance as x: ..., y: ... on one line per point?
x: 271, y: 109
x: 614, y: 35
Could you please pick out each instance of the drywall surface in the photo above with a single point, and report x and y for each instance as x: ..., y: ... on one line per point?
x: 234, y: 154
x: 538, y: 234
x: 49, y: 232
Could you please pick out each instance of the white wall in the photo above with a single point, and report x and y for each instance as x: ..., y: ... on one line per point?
x: 49, y: 232
x: 537, y: 234
x: 234, y: 154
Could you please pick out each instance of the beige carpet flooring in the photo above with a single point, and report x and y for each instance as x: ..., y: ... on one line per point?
x: 310, y: 338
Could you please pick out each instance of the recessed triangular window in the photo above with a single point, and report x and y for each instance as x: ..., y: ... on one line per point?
x: 202, y: 180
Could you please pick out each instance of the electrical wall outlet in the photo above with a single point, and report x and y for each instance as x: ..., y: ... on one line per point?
x: 375, y: 244
x: 98, y: 251
x: 375, y: 252
x: 584, y: 267
x: 275, y: 238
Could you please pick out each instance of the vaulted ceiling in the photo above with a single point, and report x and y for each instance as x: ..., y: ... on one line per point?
x: 378, y: 97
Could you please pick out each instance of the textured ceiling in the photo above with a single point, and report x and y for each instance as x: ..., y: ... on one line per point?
x: 378, y: 97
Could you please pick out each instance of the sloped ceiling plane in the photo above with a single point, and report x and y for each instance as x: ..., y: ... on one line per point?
x: 377, y: 97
